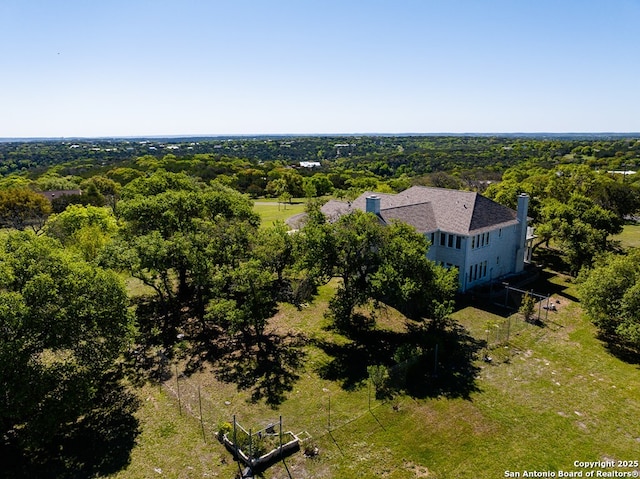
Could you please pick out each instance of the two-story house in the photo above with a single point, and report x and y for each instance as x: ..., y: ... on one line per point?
x: 481, y: 238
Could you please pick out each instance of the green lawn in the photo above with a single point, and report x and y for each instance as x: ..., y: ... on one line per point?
x: 630, y: 236
x: 554, y: 396
x: 271, y: 210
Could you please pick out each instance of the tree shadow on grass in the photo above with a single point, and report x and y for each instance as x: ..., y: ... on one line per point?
x: 620, y: 350
x: 349, y: 362
x: 98, y: 444
x: 268, y: 368
x: 443, y: 363
x: 552, y: 259
x: 497, y: 300
x: 545, y: 285
x: 448, y: 367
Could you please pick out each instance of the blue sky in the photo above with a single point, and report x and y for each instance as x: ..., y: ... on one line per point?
x: 160, y: 67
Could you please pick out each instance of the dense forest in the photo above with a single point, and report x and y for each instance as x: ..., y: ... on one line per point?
x: 246, y: 163
x: 176, y: 216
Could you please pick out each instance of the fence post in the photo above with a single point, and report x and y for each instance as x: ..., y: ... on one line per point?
x: 178, y: 391
x: 204, y: 436
x: 435, y: 362
x: 280, y: 436
x: 235, y: 444
x: 539, y: 308
x: 546, y: 316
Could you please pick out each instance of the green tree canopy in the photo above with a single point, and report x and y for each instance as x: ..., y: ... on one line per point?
x: 175, y: 239
x: 159, y: 182
x: 406, y: 279
x: 375, y: 262
x: 580, y: 227
x: 86, y: 228
x: 22, y: 207
x: 64, y: 324
x: 53, y: 181
x: 105, y: 187
x: 572, y: 205
x: 610, y: 294
x: 285, y: 180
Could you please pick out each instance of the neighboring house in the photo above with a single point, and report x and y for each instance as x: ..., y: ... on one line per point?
x: 480, y: 237
x: 310, y: 164
x: 53, y: 194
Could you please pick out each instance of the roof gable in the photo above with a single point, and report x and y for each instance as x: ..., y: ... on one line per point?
x: 487, y: 213
x: 420, y: 216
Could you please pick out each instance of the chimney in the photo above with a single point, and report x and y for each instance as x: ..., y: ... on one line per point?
x: 373, y: 204
x: 523, y: 208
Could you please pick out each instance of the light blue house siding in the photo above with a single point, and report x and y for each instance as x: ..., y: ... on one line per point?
x: 486, y: 254
x: 479, y: 258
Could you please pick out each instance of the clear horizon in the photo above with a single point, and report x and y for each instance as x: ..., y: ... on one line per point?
x: 289, y: 67
x: 622, y: 134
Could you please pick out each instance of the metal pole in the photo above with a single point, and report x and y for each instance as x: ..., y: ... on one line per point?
x: 539, y: 310
x: 235, y: 444
x: 546, y: 316
x: 178, y: 391
x: 435, y: 362
x: 204, y: 437
x: 280, y: 436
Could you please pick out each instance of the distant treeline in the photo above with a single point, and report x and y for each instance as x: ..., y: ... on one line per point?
x: 387, y: 156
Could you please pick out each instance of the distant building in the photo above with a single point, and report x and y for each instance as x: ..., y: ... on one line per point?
x: 622, y: 172
x: 480, y: 237
x: 309, y: 164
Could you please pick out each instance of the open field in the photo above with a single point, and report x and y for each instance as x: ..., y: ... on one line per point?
x: 271, y: 210
x: 630, y: 236
x: 551, y: 396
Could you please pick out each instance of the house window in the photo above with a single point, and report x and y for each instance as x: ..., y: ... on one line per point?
x: 488, y: 238
x: 500, y: 233
x: 475, y: 272
x: 498, y: 260
x: 443, y: 237
x: 450, y: 243
x: 484, y: 269
x: 458, y: 242
x: 433, y: 238
x: 471, y: 273
x: 473, y: 242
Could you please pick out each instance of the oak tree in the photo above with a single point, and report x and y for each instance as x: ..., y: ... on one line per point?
x: 65, y: 323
